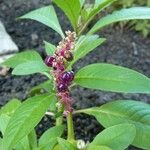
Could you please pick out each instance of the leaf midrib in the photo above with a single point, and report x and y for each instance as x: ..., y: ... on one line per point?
x: 104, y: 79
x: 116, y: 115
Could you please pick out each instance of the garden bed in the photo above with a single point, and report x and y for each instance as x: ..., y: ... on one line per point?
x: 123, y: 47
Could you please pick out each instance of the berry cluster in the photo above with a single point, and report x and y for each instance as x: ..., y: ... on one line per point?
x: 59, y: 62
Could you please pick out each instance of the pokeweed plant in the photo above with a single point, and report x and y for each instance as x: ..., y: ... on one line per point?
x: 127, y: 122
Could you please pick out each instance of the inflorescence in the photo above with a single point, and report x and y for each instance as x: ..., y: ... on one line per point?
x: 59, y: 62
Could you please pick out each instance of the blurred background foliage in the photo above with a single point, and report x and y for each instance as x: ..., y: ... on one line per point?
x: 141, y: 26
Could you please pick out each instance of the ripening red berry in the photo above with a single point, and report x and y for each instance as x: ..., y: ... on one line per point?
x: 62, y: 68
x: 68, y: 46
x: 49, y: 61
x: 62, y: 52
x: 62, y: 87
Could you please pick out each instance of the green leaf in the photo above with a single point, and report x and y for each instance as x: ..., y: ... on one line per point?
x: 23, y: 144
x: 47, y: 16
x: 117, y: 137
x: 51, y: 133
x: 65, y: 145
x: 50, y: 48
x: 32, y: 139
x: 22, y: 57
x: 97, y: 2
x: 88, y: 14
x: 30, y: 67
x: 45, y: 86
x: 99, y: 6
x: 85, y: 45
x: 114, y: 78
x: 52, y: 106
x: 122, y: 15
x: 72, y: 10
x: 25, y: 118
x: 0, y: 142
x: 10, y: 107
x: 4, y: 119
x: 98, y: 148
x: 49, y: 146
x: 82, y: 2
x: 126, y: 111
x: 84, y: 17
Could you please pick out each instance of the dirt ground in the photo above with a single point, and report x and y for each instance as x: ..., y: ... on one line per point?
x: 123, y: 47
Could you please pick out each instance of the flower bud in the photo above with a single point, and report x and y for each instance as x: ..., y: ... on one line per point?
x: 68, y: 56
x: 81, y: 144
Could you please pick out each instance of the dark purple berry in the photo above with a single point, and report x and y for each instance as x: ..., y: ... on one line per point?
x: 67, y: 77
x: 49, y: 61
x: 62, y: 87
x: 71, y: 75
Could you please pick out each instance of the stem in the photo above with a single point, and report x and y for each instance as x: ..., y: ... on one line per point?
x: 59, y: 120
x: 79, y: 111
x: 83, y: 29
x: 70, y: 127
x: 85, y: 25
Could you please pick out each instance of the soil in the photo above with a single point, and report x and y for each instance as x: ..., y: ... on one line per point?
x: 123, y: 47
